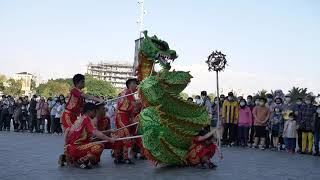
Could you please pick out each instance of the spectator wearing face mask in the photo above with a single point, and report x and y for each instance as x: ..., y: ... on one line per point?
x: 261, y: 116
x: 270, y: 103
x: 230, y: 110
x: 245, y: 122
x: 198, y: 100
x: 288, y: 107
x: 250, y: 104
x: 206, y: 102
x: 53, y: 106
x: 215, y: 112
x: 222, y: 98
x: 276, y: 126
x: 316, y: 131
x: 278, y: 103
x: 298, y: 115
x: 290, y: 133
x: 307, y: 113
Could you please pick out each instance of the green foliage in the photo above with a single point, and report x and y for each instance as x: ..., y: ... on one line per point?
x: 98, y: 87
x: 13, y: 88
x: 33, y: 85
x: 53, y: 88
x: 212, y: 96
x: 261, y: 94
x: 68, y: 81
x: 2, y: 80
x: 62, y: 86
x: 297, y: 92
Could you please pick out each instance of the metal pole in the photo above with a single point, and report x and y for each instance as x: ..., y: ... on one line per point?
x: 141, y: 3
x: 218, y: 96
x: 219, y: 124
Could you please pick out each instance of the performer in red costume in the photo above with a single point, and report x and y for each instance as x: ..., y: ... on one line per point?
x: 125, y: 113
x: 79, y: 148
x: 74, y: 106
x: 202, y: 150
x: 103, y: 124
x: 76, y: 101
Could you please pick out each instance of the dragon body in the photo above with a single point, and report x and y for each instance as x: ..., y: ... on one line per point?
x: 168, y: 123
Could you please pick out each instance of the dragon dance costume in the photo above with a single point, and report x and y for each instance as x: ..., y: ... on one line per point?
x: 168, y: 123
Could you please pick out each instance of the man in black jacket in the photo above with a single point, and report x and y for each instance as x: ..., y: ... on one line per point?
x: 316, y: 132
x: 33, y: 114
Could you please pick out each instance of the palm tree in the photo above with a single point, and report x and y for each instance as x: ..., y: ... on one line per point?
x: 297, y: 92
x: 261, y: 94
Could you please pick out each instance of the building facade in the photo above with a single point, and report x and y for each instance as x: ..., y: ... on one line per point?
x: 26, y: 79
x: 115, y: 73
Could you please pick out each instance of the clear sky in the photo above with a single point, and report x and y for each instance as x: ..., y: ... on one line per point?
x: 269, y: 44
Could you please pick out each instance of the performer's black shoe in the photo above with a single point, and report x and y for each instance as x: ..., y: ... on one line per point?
x: 128, y: 161
x: 202, y: 166
x: 212, y: 165
x: 62, y: 160
x: 118, y: 161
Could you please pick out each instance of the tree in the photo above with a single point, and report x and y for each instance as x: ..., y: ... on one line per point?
x: 297, y: 92
x: 53, y: 88
x: 261, y: 94
x: 2, y: 81
x: 33, y: 85
x: 13, y: 88
x: 212, y: 96
x: 98, y: 87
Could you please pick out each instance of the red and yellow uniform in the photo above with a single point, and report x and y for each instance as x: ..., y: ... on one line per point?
x: 73, y: 108
x: 78, y: 142
x: 199, y: 150
x: 103, y: 124
x: 124, y: 116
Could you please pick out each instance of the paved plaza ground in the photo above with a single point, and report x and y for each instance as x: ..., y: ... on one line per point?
x: 34, y: 157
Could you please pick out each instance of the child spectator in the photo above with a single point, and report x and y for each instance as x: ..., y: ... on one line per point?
x: 290, y: 133
x: 261, y: 116
x: 244, y: 123
x: 276, y: 126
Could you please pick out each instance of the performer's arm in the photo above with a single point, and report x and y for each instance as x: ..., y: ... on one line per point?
x: 100, y: 135
x: 201, y: 138
x: 90, y: 97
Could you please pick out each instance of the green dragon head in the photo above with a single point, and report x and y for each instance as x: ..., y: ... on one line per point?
x: 157, y: 50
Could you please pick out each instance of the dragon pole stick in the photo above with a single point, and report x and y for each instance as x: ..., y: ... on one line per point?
x: 119, y: 139
x: 123, y: 127
x: 121, y: 97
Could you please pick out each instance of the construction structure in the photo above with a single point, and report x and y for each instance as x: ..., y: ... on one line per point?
x: 26, y: 79
x: 115, y: 73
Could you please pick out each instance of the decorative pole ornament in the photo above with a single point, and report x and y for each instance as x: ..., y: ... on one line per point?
x: 217, y: 62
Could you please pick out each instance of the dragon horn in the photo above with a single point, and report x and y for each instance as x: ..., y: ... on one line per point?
x: 145, y: 33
